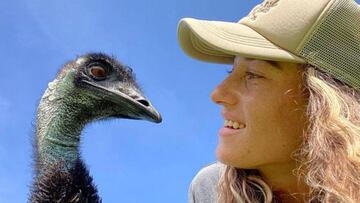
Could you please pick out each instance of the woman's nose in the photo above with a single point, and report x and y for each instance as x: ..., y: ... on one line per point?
x: 224, y: 94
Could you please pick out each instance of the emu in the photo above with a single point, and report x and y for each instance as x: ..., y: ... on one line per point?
x: 92, y: 87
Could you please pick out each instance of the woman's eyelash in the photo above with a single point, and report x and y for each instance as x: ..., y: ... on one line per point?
x: 248, y: 75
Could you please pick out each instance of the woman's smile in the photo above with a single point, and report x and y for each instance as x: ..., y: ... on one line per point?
x: 228, y: 131
x: 231, y: 128
x: 233, y: 124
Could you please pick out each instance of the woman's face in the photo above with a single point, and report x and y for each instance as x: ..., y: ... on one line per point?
x: 264, y: 113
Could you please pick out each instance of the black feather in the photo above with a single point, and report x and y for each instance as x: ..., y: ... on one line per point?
x: 58, y: 184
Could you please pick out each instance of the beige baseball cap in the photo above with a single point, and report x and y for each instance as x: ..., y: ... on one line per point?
x: 323, y: 33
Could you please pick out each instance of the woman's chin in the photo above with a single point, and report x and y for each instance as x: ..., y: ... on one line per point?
x: 225, y: 156
x: 228, y: 157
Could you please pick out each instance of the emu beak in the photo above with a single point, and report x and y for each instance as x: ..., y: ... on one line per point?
x: 144, y: 109
x: 133, y: 105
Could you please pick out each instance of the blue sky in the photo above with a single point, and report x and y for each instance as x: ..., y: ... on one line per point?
x: 130, y: 161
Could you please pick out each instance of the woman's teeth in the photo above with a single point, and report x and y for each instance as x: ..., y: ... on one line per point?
x: 233, y: 124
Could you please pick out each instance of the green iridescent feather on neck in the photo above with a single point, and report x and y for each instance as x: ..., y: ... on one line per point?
x: 59, y: 123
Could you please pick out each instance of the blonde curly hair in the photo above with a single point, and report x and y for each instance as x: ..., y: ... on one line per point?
x: 329, y: 157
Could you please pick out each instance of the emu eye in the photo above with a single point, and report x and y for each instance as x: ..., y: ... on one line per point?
x: 98, y: 72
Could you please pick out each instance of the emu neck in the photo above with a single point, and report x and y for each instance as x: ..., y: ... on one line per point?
x: 59, y: 135
x: 59, y: 124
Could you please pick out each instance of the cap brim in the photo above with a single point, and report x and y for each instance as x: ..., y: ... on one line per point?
x: 220, y: 42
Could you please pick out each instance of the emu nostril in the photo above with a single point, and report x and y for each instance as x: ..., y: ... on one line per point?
x: 143, y: 102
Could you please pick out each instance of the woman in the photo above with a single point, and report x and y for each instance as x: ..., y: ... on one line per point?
x: 291, y: 103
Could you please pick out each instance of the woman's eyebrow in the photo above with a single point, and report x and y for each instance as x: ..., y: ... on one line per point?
x: 274, y: 64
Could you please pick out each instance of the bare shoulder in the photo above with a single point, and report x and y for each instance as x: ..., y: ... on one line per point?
x: 203, y: 187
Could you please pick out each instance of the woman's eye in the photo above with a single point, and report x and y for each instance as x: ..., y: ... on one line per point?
x: 250, y: 76
x: 98, y: 72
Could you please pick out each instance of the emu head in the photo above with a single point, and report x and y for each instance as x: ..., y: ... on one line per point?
x: 96, y: 86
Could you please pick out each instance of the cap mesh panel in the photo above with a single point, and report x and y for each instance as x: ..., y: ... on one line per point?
x: 335, y: 45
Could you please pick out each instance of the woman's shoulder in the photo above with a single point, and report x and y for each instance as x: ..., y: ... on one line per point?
x: 209, y: 173
x: 203, y: 187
